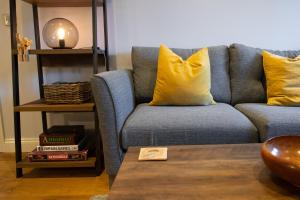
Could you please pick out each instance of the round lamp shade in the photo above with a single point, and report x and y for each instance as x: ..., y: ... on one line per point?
x: 60, y: 33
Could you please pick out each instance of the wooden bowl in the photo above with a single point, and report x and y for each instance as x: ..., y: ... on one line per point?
x: 282, y: 156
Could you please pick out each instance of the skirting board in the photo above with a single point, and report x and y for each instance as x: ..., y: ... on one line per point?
x: 28, y: 144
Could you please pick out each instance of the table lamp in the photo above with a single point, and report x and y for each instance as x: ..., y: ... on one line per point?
x: 60, y: 33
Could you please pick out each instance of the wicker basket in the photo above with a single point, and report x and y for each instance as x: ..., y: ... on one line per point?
x: 67, y: 93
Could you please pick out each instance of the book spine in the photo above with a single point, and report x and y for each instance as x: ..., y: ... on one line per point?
x: 58, y: 157
x: 58, y: 148
x: 39, y: 156
x: 56, y: 140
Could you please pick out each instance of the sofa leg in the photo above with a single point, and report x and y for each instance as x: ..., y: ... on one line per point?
x: 111, y: 179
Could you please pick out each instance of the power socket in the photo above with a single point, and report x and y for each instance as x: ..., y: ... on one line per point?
x: 6, y: 19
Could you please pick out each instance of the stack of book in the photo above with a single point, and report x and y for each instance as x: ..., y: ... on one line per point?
x: 61, y: 143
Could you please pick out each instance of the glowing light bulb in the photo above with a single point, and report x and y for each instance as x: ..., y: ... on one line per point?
x: 61, y: 33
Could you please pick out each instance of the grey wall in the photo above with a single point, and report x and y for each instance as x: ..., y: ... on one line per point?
x: 198, y: 23
x: 177, y: 23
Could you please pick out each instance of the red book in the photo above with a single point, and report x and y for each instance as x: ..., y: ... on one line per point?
x: 61, y: 156
x: 39, y: 156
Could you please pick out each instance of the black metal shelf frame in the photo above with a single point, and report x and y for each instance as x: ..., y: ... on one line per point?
x: 99, y: 164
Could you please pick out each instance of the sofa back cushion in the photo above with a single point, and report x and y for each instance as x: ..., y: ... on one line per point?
x: 247, y: 74
x: 144, y: 61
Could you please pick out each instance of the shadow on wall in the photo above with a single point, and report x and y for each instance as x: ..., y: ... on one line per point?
x: 86, y: 119
x: 113, y: 62
x: 124, y: 61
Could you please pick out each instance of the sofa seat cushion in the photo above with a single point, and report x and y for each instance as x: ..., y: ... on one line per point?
x: 272, y: 120
x: 187, y: 125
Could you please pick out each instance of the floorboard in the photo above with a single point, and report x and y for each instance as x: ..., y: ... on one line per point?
x: 49, y: 184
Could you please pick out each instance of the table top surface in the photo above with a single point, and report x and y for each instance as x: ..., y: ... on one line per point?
x: 209, y: 172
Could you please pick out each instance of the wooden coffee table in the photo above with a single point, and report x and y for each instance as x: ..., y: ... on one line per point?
x: 210, y: 172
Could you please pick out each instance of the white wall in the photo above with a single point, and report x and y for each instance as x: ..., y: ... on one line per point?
x: 81, y: 18
x: 177, y: 23
x: 5, y: 94
x: 199, y: 23
x: 31, y: 125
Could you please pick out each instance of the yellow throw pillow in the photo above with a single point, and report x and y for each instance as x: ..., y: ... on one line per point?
x: 182, y: 82
x: 283, y: 79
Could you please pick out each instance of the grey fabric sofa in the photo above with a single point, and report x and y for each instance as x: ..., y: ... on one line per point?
x: 240, y: 116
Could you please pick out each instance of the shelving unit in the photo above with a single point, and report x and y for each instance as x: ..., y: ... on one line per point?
x: 90, y: 162
x: 93, y: 55
x: 40, y: 105
x: 63, y: 3
x: 64, y: 51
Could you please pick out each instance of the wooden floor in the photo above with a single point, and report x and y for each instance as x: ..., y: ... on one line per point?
x: 49, y: 184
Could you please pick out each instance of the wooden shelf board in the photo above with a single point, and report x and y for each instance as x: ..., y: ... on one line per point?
x: 90, y: 162
x: 40, y: 105
x: 62, y: 51
x: 63, y: 3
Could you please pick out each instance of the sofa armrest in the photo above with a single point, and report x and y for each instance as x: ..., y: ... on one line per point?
x: 114, y: 97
